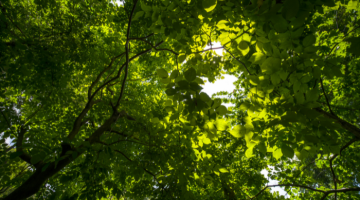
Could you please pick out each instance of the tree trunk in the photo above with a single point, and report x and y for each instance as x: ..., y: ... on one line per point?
x: 36, y: 180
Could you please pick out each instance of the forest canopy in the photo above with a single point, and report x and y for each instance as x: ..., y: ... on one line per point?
x: 103, y: 100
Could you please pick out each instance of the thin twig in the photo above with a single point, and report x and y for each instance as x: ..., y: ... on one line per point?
x: 102, y: 72
x: 238, y: 60
x: 142, y: 38
x: 163, y: 49
x: 334, y: 177
x: 4, y: 11
x: 147, y: 171
x: 327, y: 101
x: 209, y: 49
x: 139, y: 79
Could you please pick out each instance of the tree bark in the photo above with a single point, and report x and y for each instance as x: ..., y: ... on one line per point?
x: 346, y: 125
x: 38, y: 178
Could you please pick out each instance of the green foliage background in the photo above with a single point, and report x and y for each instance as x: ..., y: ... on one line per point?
x: 104, y: 100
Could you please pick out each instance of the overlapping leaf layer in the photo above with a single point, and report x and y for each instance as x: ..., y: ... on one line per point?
x: 104, y: 100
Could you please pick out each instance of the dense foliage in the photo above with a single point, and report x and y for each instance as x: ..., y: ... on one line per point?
x: 103, y: 100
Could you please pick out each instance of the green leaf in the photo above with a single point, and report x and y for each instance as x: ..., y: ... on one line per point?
x: 312, y: 95
x: 244, y: 47
x: 223, y: 170
x: 353, y: 4
x: 275, y: 78
x: 145, y: 7
x: 181, y: 58
x: 280, y: 24
x: 262, y: 148
x: 162, y: 73
x: 309, y: 40
x: 277, y: 153
x: 221, y: 110
x: 174, y: 74
x: 217, y: 103
x: 299, y: 98
x: 138, y: 15
x: 190, y: 74
x: 238, y: 131
x: 165, y: 80
x: 170, y: 91
x: 222, y: 24
x: 245, y: 106
x: 287, y: 151
x: 221, y: 124
x: 183, y: 85
x: 249, y: 153
x: 254, y: 80
x: 291, y: 8
x: 206, y: 141
x: 354, y: 46
x: 209, y: 5
x: 155, y: 120
x: 204, y: 97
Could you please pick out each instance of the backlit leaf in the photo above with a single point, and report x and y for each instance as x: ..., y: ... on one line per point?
x: 209, y: 5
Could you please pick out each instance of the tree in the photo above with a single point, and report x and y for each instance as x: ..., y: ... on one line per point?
x: 105, y: 100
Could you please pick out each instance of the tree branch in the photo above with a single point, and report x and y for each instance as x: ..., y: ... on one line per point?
x: 123, y: 86
x: 333, y: 157
x: 4, y: 11
x: 101, y: 73
x: 326, y: 193
x: 117, y: 132
x: 334, y: 177
x: 147, y: 171
x: 33, y: 114
x: 238, y: 60
x: 142, y: 38
x: 24, y: 156
x: 127, y: 55
x: 327, y: 101
x: 208, y: 50
x: 77, y: 123
x: 309, y: 188
x: 346, y: 125
x: 158, y: 49
x: 139, y: 79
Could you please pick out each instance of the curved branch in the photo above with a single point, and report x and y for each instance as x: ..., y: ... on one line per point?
x: 326, y: 193
x: 292, y: 185
x: 77, y: 123
x: 346, y: 125
x: 327, y: 100
x: 163, y: 49
x: 238, y: 60
x: 309, y: 188
x: 101, y: 73
x: 127, y: 55
x: 24, y: 156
